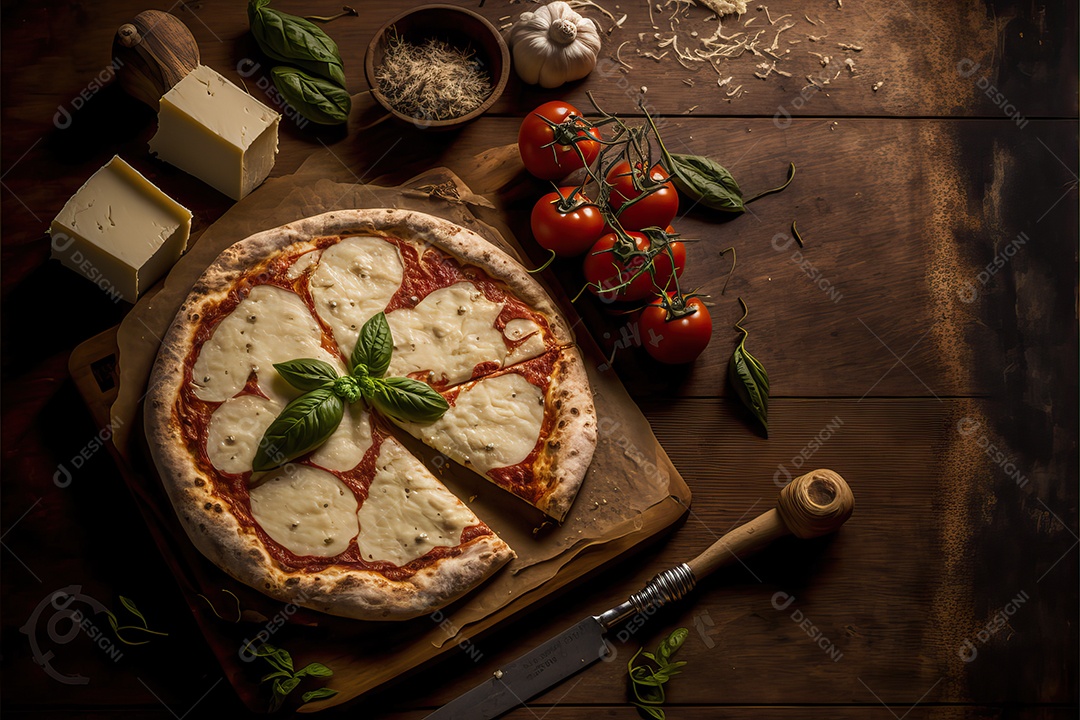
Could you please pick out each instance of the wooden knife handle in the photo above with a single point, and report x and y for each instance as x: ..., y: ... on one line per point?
x: 814, y: 504
x: 811, y: 505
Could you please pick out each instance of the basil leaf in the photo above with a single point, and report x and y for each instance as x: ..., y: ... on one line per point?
x: 277, y: 698
x: 664, y: 674
x: 314, y: 670
x: 130, y: 605
x: 303, y: 425
x: 284, y: 658
x: 407, y: 399
x: 651, y: 711
x: 320, y: 694
x: 347, y: 388
x: 751, y: 383
x: 649, y: 679
x: 307, y: 373
x: 281, y: 689
x: 295, y: 40
x: 673, y: 643
x: 319, y: 100
x: 276, y: 674
x: 374, y: 347
x: 707, y: 182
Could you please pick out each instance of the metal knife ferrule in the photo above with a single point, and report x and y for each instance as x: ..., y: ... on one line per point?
x: 666, y: 587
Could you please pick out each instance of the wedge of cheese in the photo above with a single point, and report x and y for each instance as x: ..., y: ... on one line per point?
x: 120, y: 231
x: 217, y: 132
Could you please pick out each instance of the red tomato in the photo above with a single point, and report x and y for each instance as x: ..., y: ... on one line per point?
x: 549, y: 161
x: 566, y: 234
x: 657, y: 208
x: 675, y: 340
x: 604, y: 271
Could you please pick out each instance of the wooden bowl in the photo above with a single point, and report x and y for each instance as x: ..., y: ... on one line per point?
x: 456, y: 26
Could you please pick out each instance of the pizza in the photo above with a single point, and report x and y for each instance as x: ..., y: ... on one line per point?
x: 358, y: 526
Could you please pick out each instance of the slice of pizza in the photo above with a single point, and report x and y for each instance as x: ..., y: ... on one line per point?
x: 530, y: 428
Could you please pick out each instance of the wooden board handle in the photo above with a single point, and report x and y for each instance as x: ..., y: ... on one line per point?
x: 813, y: 504
x: 154, y: 51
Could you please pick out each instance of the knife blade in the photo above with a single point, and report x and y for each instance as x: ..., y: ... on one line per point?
x: 531, y: 674
x: 809, y: 506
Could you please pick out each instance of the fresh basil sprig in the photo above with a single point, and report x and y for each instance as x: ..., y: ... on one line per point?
x: 129, y: 605
x: 316, y: 98
x: 648, y: 678
x: 285, y: 679
x: 748, y: 377
x: 295, y: 40
x: 310, y: 419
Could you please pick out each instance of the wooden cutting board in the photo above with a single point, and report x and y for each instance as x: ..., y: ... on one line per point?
x: 630, y: 469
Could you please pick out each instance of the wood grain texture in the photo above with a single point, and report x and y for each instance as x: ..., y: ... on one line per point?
x: 688, y: 712
x: 901, y: 635
x: 879, y: 280
x: 915, y: 48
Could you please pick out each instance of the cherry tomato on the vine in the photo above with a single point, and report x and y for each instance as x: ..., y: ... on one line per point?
x: 607, y: 275
x: 566, y: 234
x: 675, y: 338
x: 549, y: 161
x: 658, y: 207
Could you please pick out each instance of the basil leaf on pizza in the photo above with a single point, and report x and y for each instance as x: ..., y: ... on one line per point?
x: 309, y: 420
x: 302, y: 426
x: 307, y: 373
x: 374, y: 348
x: 408, y: 399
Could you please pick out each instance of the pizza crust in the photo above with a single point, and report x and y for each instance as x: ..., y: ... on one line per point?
x: 338, y: 590
x: 569, y: 449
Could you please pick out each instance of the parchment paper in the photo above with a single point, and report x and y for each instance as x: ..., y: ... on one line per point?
x: 630, y: 472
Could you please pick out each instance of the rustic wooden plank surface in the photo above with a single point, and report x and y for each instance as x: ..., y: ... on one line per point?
x: 941, y: 384
x: 917, y: 48
x: 874, y: 276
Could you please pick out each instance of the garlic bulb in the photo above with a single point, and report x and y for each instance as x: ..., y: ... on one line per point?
x: 724, y: 7
x: 554, y: 45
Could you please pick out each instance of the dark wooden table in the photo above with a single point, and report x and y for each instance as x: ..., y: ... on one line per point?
x: 923, y: 344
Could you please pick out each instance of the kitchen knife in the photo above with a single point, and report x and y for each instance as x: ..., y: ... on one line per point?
x: 809, y: 506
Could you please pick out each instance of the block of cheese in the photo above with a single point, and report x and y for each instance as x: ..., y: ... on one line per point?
x: 217, y: 132
x: 120, y: 231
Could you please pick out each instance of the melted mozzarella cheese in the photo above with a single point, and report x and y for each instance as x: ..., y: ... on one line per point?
x: 345, y: 448
x: 356, y: 278
x: 306, y: 510
x: 407, y: 511
x: 452, y: 331
x: 493, y: 423
x: 529, y: 337
x: 270, y: 325
x: 302, y: 264
x: 236, y: 428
